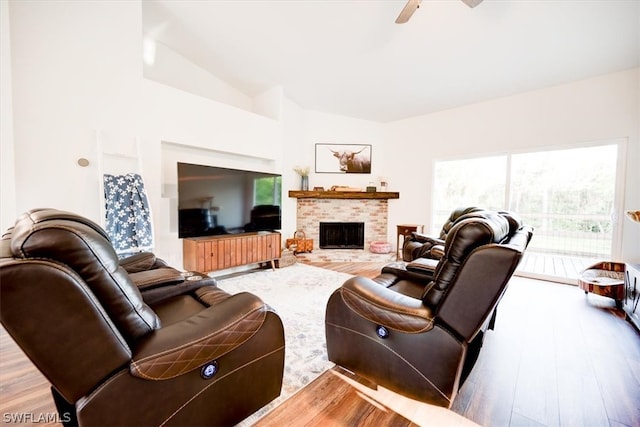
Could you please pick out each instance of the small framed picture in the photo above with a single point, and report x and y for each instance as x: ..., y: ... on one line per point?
x: 343, y: 158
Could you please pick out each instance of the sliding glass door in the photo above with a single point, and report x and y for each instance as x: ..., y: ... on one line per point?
x: 569, y: 196
x: 479, y: 181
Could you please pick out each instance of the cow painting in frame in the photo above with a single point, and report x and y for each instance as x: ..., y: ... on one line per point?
x: 343, y: 158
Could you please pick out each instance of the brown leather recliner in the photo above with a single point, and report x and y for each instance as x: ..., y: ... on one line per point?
x: 202, y: 357
x: 420, y: 245
x: 421, y: 338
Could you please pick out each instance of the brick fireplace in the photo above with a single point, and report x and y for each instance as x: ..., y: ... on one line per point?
x: 314, y: 207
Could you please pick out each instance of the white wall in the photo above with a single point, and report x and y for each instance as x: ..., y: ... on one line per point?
x: 7, y: 158
x: 76, y: 72
x: 334, y: 129
x: 164, y: 65
x: 294, y: 153
x: 597, y: 109
x: 304, y: 129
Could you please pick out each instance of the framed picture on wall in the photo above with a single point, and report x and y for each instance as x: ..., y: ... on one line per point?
x: 343, y: 158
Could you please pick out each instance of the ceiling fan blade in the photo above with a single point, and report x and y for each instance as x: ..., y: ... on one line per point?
x: 472, y: 3
x: 407, y: 11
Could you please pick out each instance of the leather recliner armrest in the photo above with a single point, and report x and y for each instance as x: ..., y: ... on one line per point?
x: 425, y: 266
x: 437, y: 251
x: 386, y: 307
x: 425, y: 238
x: 139, y: 262
x: 184, y: 346
x: 159, y: 284
x: 149, y: 279
x: 142, y: 261
x: 402, y: 271
x: 419, y: 245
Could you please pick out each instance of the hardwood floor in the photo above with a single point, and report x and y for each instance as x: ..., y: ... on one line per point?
x: 347, y: 406
x: 24, y: 392
x: 553, y: 267
x: 557, y: 357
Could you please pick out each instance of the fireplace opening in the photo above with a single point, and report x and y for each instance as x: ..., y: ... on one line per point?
x: 342, y: 235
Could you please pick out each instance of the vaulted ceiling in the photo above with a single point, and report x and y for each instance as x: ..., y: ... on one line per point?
x: 348, y: 57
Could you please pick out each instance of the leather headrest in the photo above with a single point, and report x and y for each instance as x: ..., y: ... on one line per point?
x: 515, y: 222
x: 457, y: 215
x: 481, y: 229
x: 82, y: 245
x: 41, y: 215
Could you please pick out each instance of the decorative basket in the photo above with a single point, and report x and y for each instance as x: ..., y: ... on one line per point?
x: 300, y: 241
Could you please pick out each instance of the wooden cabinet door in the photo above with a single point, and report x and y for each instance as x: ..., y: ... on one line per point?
x: 189, y: 254
x: 221, y: 252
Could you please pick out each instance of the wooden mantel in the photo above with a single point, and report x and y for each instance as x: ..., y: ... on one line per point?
x: 344, y: 195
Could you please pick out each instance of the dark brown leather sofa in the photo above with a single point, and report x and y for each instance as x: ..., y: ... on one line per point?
x: 201, y: 357
x: 421, y: 337
x: 420, y: 245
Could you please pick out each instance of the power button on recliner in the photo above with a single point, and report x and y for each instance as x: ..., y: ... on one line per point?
x: 382, y: 331
x: 209, y: 370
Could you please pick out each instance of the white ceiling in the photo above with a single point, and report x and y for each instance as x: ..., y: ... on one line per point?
x: 350, y: 58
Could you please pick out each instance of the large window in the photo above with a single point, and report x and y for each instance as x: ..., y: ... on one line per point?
x: 468, y: 182
x: 568, y: 195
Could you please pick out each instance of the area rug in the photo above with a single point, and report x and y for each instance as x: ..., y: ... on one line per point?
x: 299, y: 294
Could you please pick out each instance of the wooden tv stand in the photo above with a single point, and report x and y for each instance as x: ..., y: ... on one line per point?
x: 212, y: 253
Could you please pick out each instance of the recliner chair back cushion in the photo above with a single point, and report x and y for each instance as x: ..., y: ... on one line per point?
x: 59, y: 324
x: 456, y: 215
x: 467, y: 235
x: 84, y: 247
x: 515, y: 222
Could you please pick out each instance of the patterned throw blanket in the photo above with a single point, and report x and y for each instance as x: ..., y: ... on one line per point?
x: 128, y: 216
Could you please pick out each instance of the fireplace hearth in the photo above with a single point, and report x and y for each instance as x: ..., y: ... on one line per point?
x: 341, y: 235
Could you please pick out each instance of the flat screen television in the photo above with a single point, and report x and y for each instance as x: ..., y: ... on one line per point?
x: 214, y: 200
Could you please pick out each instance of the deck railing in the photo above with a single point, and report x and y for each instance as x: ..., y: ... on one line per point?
x: 583, y: 235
